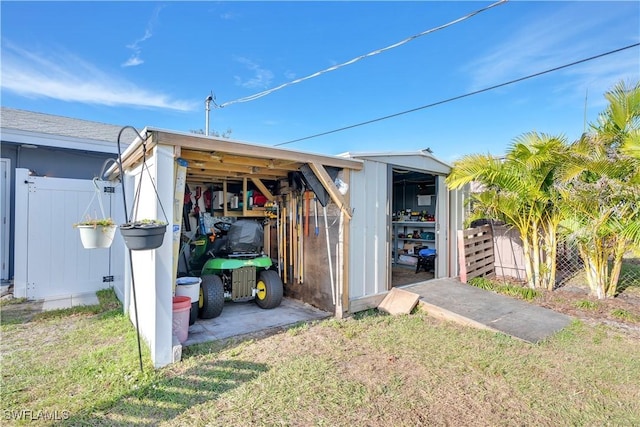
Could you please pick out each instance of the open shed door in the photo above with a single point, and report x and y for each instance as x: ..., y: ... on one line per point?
x: 50, y: 261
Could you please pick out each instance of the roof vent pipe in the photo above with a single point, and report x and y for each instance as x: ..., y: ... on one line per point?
x: 207, y: 103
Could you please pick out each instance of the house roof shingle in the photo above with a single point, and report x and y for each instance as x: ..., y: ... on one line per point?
x: 30, y: 121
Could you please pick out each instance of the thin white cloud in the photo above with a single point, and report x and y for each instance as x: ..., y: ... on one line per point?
x: 135, y: 59
x: 228, y: 16
x: 66, y: 77
x: 261, y: 78
x: 548, y: 40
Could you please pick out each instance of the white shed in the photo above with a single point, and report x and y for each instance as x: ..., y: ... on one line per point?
x: 400, y: 204
x: 341, y: 262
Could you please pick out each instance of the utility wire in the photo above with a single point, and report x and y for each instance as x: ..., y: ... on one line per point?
x: 354, y: 60
x: 455, y: 98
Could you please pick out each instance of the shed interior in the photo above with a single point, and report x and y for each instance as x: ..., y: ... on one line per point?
x: 414, y: 224
x: 284, y: 190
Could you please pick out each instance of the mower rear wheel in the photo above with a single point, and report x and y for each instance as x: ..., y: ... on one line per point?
x: 211, y: 297
x: 269, y: 289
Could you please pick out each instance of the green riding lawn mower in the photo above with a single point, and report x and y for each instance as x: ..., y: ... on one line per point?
x: 232, y: 266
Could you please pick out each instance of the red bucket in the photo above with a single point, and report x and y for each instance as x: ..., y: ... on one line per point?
x: 181, y: 310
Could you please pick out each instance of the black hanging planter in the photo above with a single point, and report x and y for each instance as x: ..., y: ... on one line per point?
x: 141, y: 236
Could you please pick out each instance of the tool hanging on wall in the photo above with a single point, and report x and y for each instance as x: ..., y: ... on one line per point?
x: 301, y: 240
x: 307, y: 198
x: 326, y: 229
x: 180, y: 180
x: 188, y: 205
x: 283, y: 233
x: 294, y: 237
x: 315, y: 214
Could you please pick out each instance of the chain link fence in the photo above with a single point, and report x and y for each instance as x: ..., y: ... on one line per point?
x: 570, y: 268
x: 509, y: 262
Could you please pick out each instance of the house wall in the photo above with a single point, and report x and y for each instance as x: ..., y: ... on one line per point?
x: 369, y: 244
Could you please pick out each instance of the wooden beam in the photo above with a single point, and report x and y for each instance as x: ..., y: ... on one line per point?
x: 208, y: 144
x: 212, y: 168
x: 229, y: 159
x: 328, y: 184
x: 216, y: 177
x: 263, y: 189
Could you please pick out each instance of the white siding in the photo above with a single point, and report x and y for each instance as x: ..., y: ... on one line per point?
x: 369, y: 250
x: 153, y: 269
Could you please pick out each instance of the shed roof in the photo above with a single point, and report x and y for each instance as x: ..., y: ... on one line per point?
x: 212, y: 158
x: 421, y: 160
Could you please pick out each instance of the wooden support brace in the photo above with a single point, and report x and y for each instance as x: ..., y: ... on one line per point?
x: 331, y: 188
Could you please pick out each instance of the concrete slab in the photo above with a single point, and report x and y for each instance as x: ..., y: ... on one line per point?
x: 58, y: 303
x: 240, y: 318
x: 478, y: 307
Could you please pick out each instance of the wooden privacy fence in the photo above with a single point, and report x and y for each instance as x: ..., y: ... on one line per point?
x: 475, y: 253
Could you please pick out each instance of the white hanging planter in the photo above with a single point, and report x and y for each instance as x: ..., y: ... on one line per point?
x: 96, y: 236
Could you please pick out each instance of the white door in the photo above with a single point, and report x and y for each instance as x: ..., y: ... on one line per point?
x: 5, y: 216
x: 51, y: 262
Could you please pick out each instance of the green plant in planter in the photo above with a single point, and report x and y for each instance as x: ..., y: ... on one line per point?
x: 95, y: 222
x: 96, y: 232
x: 141, y: 223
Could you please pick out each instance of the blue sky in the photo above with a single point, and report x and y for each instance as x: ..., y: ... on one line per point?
x: 154, y: 63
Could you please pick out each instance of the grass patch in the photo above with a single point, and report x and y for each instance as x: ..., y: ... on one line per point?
x: 524, y: 293
x: 623, y: 314
x: 587, y: 304
x: 108, y: 304
x: 371, y: 369
x: 71, y: 360
x: 298, y: 328
x: 11, y: 301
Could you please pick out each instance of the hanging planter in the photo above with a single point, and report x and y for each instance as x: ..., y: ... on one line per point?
x: 97, y: 233
x: 144, y: 234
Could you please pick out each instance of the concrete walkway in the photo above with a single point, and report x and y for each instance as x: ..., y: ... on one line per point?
x: 452, y: 300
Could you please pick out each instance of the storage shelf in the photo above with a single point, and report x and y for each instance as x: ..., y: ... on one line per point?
x: 403, y: 226
x: 416, y: 223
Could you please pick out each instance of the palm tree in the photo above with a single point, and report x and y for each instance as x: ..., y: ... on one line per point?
x: 519, y: 189
x: 600, y: 190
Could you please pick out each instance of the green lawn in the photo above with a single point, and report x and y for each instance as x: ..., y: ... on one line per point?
x: 371, y: 369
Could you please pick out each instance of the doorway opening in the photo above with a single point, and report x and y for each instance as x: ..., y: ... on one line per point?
x: 414, y: 226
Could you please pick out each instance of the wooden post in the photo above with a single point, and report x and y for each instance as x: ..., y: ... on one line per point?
x: 461, y: 258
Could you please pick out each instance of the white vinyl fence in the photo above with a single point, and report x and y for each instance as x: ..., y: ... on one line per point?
x: 50, y: 261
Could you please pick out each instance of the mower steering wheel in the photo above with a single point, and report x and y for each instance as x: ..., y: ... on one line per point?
x: 223, y: 226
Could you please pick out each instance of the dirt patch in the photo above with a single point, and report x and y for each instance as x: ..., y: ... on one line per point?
x: 621, y: 312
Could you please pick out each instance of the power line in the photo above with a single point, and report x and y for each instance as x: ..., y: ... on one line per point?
x: 455, y: 98
x: 354, y: 60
